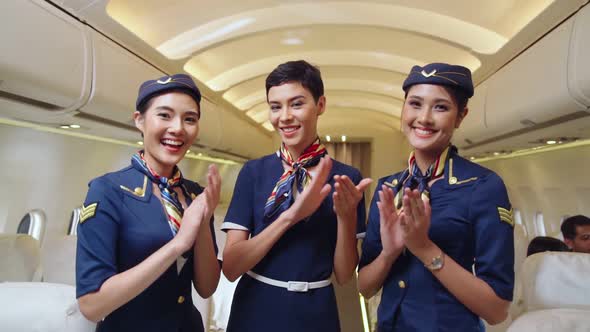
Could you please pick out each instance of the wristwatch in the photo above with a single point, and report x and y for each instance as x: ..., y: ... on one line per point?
x: 436, y: 263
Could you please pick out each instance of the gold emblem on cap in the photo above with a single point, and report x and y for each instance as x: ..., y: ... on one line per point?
x: 425, y: 74
x: 166, y: 81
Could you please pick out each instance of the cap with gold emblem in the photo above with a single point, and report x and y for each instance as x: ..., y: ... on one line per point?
x: 177, y: 82
x: 441, y: 74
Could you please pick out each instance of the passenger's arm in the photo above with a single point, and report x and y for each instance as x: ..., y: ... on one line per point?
x: 373, y: 275
x: 206, y: 268
x: 346, y: 199
x: 473, y: 291
x: 242, y: 254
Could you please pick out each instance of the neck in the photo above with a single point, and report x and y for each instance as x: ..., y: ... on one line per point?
x: 425, y: 159
x: 161, y: 170
x: 297, y: 150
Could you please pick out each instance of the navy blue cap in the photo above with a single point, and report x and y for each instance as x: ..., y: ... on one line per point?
x: 441, y: 74
x: 177, y: 82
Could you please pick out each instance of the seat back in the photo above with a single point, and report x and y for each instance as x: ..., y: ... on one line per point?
x: 555, y: 293
x: 20, y: 258
x: 556, y: 280
x: 40, y: 306
x: 59, y: 260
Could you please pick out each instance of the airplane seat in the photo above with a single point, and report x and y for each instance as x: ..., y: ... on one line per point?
x: 555, y: 294
x: 40, y: 306
x: 59, y: 256
x: 20, y: 259
x: 33, y: 224
x: 59, y: 261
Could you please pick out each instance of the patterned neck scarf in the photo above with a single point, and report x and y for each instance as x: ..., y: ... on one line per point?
x: 172, y: 205
x: 413, y: 178
x: 281, y: 197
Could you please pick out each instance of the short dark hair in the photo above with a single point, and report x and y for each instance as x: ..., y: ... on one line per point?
x: 297, y: 71
x: 568, y: 227
x: 459, y: 97
x: 545, y: 243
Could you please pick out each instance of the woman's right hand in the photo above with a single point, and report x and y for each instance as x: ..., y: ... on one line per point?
x: 309, y: 200
x: 201, y: 208
x: 391, y: 233
x: 191, y: 222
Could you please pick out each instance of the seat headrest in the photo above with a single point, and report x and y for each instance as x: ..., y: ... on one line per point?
x: 20, y: 259
x: 552, y: 280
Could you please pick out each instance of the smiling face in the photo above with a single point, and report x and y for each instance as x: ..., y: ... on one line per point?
x: 169, y: 126
x: 294, y: 115
x: 430, y: 115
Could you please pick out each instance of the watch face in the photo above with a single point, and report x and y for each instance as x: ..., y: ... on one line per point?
x: 437, y: 263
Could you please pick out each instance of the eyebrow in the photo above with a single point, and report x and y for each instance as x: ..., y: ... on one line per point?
x: 437, y: 100
x: 165, y: 108
x: 289, y: 100
x: 170, y: 109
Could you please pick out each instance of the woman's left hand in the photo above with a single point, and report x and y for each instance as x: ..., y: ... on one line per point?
x: 347, y: 196
x: 212, y: 191
x: 415, y: 221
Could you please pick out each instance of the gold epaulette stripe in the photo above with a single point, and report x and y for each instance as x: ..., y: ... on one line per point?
x: 88, y: 212
x: 506, y: 215
x: 139, y: 192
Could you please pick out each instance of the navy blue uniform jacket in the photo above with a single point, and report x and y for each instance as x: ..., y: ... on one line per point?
x: 122, y: 224
x: 471, y: 222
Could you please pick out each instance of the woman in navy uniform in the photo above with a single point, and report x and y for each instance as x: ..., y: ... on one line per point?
x: 434, y: 222
x: 145, y: 231
x: 286, y: 240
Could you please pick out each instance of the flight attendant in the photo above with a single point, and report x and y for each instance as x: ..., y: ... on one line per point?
x: 293, y: 219
x: 145, y: 231
x: 432, y: 223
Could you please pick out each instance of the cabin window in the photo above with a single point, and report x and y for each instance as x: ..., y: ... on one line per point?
x: 540, y: 224
x: 517, y: 217
x: 74, y: 221
x: 33, y: 224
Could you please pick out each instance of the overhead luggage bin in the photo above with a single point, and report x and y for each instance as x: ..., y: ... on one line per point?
x: 117, y: 77
x: 46, y: 57
x: 578, y: 68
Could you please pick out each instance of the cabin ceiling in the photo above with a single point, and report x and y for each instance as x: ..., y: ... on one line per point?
x: 363, y: 48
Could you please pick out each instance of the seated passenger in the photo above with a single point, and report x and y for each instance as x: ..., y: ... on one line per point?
x: 146, y: 234
x: 576, y: 233
x: 430, y: 222
x: 545, y: 243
